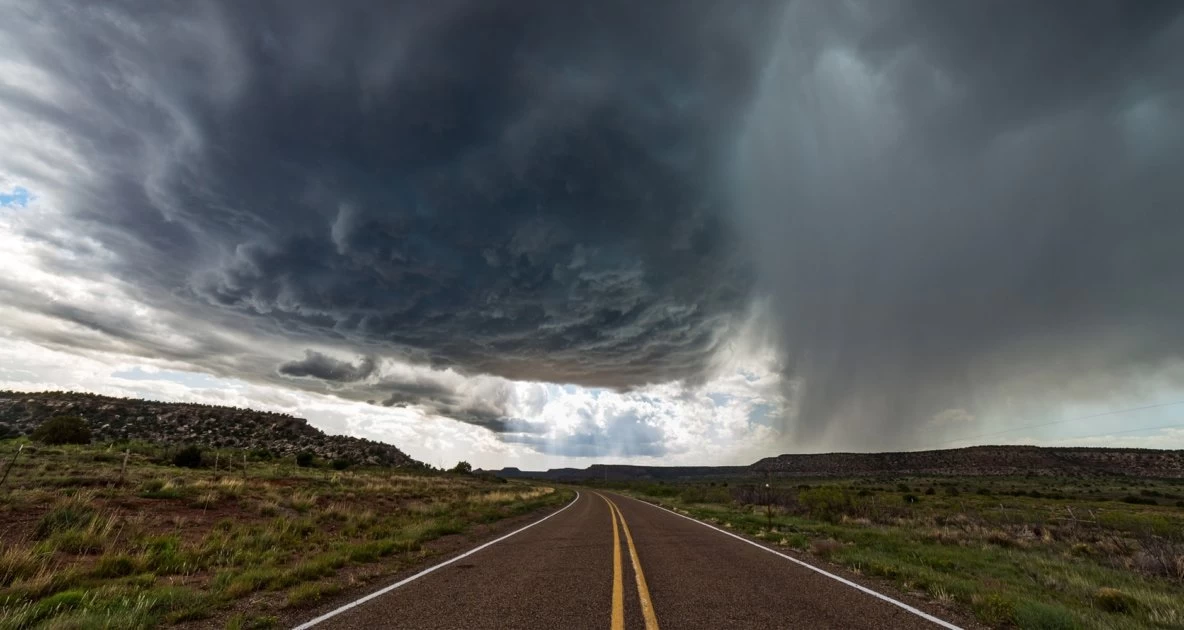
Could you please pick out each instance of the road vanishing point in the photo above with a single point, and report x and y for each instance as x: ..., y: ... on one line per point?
x: 609, y: 561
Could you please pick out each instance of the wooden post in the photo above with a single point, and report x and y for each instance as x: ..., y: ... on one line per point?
x: 244, y: 465
x: 10, y: 463
x: 123, y: 468
x: 216, y: 456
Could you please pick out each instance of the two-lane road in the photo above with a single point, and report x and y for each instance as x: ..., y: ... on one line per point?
x: 607, y: 561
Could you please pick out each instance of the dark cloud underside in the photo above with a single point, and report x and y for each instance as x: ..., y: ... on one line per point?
x: 326, y: 368
x: 527, y: 189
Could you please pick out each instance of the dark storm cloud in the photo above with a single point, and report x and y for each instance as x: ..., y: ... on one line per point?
x: 946, y: 206
x: 326, y: 368
x: 526, y: 189
x: 961, y: 205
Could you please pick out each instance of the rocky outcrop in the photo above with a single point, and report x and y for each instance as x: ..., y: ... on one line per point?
x: 118, y: 419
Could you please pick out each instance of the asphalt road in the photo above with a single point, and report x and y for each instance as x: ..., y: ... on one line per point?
x: 608, y: 561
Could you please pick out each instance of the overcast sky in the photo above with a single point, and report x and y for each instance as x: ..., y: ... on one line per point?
x: 541, y: 234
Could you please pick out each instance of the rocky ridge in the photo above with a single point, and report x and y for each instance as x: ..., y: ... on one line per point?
x: 117, y: 419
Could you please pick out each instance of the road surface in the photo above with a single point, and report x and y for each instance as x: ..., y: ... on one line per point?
x: 608, y: 561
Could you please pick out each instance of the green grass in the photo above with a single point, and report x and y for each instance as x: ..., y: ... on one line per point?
x: 1024, y: 552
x: 169, y: 545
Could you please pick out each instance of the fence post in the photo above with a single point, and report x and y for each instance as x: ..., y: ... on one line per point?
x: 123, y: 468
x: 10, y: 463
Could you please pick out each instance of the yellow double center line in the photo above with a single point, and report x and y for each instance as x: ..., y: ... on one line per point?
x: 643, y: 591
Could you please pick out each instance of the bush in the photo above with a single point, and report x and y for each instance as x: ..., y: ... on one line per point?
x: 825, y: 548
x: 341, y: 464
x: 64, y: 518
x: 62, y: 430
x: 826, y: 502
x: 305, y: 459
x: 1038, y: 616
x: 463, y: 468
x: 114, y: 566
x: 1136, y: 500
x: 1113, y: 600
x: 994, y: 609
x: 188, y: 457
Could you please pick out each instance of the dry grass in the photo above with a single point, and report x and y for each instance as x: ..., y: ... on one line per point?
x: 79, y: 550
x: 1025, y: 552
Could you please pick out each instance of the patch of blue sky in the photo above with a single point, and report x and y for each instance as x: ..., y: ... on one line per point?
x: 18, y: 197
x: 749, y: 376
x: 762, y: 414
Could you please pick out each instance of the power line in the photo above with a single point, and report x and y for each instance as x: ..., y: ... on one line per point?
x: 1049, y: 424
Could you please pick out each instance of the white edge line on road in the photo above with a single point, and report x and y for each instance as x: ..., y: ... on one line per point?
x: 899, y: 604
x: 384, y: 591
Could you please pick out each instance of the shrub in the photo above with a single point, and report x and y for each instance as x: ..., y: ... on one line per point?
x: 825, y: 548
x: 1113, y: 600
x: 463, y: 468
x: 63, y: 518
x: 910, y: 498
x: 62, y: 430
x: 993, y: 608
x: 188, y: 457
x: 1137, y: 500
x: 114, y: 566
x: 1039, y: 616
x: 826, y: 502
x: 341, y: 464
x: 930, y: 491
x: 305, y: 459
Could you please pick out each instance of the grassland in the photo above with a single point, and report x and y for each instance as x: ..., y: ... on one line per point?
x: 1028, y: 552
x: 83, y: 547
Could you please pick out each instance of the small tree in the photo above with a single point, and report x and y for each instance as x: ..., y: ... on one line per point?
x: 463, y: 468
x: 188, y: 457
x: 63, y: 430
x: 304, y: 459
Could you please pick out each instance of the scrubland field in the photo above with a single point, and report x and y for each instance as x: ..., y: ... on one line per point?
x: 1028, y: 552
x: 223, y: 544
